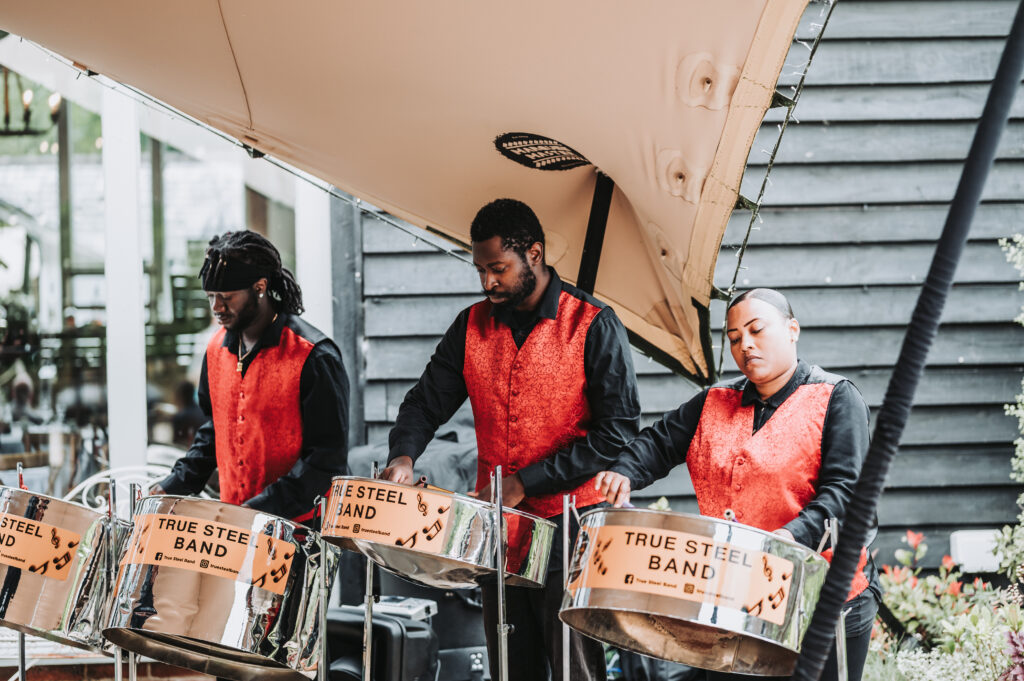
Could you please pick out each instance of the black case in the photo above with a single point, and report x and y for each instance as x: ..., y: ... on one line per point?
x: 403, y: 649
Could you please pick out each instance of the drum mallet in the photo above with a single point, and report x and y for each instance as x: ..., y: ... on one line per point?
x: 567, y: 503
x: 368, y: 621
x: 134, y: 494
x: 503, y: 628
x: 325, y: 661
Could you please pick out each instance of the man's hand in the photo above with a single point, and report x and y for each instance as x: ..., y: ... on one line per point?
x: 512, y: 491
x: 614, y: 486
x: 785, y: 534
x: 400, y: 470
x: 157, y: 490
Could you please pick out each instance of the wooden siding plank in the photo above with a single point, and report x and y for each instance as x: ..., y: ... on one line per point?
x: 400, y: 274
x: 856, y: 184
x: 991, y: 506
x: 938, y: 386
x: 848, y: 142
x: 915, y: 19
x: 910, y: 62
x: 916, y: 102
x: 866, y: 224
x: 380, y: 237
x: 862, y: 265
x: 892, y: 305
x: 414, y: 315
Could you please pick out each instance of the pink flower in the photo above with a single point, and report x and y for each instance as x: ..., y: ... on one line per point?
x: 948, y: 562
x: 914, y: 539
x: 954, y: 588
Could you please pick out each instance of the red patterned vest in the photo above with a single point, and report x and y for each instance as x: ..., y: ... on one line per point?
x: 529, y: 402
x: 256, y: 418
x: 766, y: 477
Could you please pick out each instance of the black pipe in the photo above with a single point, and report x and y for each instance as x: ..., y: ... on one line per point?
x: 592, y: 243
x: 922, y: 330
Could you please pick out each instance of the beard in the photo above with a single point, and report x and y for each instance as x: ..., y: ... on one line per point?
x: 526, y: 284
x: 247, y: 315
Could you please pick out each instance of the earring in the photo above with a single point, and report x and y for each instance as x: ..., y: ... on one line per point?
x: 261, y: 295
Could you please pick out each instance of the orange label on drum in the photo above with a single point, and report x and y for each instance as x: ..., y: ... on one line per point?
x: 387, y: 512
x: 37, y: 547
x: 686, y: 566
x: 211, y: 548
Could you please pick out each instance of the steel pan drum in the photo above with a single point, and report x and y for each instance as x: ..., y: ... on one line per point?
x: 220, y: 589
x: 433, y: 537
x: 57, y: 562
x: 705, y: 592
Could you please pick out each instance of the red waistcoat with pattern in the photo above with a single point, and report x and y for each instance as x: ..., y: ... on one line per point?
x: 766, y: 477
x: 257, y: 418
x: 529, y: 402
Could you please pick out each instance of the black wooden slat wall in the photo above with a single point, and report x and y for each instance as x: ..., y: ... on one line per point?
x: 857, y: 197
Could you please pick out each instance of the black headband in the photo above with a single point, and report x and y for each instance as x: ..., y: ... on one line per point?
x: 221, y: 274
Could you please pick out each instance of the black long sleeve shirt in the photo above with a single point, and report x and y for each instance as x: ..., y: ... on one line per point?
x: 611, y: 392
x: 323, y: 396
x: 844, y: 444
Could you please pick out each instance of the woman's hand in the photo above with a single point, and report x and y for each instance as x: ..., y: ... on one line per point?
x: 614, y: 486
x: 785, y: 534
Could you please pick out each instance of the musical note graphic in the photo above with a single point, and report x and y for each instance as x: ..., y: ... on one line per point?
x: 432, y: 530
x: 41, y: 568
x: 407, y: 543
x: 441, y: 509
x: 420, y: 505
x: 754, y: 609
x: 598, y: 559
x: 53, y: 538
x: 279, y: 573
x: 61, y: 561
x: 776, y: 599
x: 261, y: 580
x: 767, y: 568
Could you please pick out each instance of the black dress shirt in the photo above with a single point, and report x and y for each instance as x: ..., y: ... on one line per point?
x: 844, y: 443
x: 611, y: 392
x: 323, y: 397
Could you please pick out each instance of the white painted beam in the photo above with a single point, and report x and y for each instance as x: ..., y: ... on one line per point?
x: 313, y: 265
x: 126, y: 341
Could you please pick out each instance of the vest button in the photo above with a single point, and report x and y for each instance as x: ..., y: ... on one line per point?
x: 738, y: 487
x: 241, y: 419
x: 515, y: 393
x: 513, y: 419
x: 511, y: 445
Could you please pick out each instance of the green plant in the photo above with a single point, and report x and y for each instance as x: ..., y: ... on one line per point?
x: 1010, y: 540
x: 966, y: 630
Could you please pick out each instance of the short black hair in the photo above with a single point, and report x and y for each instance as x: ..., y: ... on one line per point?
x: 512, y: 220
x: 768, y: 295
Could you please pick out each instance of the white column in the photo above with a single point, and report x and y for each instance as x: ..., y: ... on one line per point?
x: 126, y: 340
x: 313, y: 254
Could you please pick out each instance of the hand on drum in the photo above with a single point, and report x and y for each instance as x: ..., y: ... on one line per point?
x: 399, y: 471
x: 614, y: 486
x: 156, y: 490
x: 512, y: 491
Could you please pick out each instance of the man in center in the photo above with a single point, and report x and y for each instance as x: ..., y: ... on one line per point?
x: 548, y: 373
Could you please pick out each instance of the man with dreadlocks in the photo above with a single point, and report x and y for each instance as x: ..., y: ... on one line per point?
x: 548, y: 372
x: 272, y: 386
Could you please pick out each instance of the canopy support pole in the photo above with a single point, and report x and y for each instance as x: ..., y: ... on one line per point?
x: 924, y: 323
x: 599, y: 207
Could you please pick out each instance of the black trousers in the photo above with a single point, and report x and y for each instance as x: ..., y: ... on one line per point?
x: 860, y: 617
x: 535, y: 645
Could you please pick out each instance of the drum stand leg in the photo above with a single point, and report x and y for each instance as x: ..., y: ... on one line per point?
x: 368, y: 621
x: 565, y: 575
x: 842, y: 669
x: 324, y: 597
x: 135, y: 492
x: 22, y: 668
x: 499, y: 524
x: 112, y: 515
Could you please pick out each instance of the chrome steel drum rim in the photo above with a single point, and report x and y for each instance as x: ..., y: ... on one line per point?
x: 468, y: 554
x: 195, y: 617
x: 72, y: 610
x: 704, y: 628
